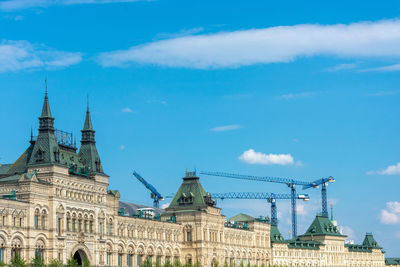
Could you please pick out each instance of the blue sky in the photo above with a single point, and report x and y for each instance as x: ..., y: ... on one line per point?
x: 285, y: 88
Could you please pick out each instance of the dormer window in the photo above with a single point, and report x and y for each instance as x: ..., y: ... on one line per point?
x: 57, y: 156
x: 186, y: 199
x: 40, y: 155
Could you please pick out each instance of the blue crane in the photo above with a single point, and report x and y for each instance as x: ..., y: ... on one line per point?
x: 157, y: 197
x: 270, y: 197
x: 291, y: 183
x: 324, y: 183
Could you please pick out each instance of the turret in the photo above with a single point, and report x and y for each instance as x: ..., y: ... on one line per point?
x: 46, y: 149
x: 88, y: 151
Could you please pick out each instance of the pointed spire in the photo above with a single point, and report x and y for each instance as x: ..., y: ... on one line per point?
x: 88, y: 121
x: 46, y: 112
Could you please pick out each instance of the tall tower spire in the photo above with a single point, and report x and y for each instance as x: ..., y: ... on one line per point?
x: 46, y: 148
x: 88, y: 151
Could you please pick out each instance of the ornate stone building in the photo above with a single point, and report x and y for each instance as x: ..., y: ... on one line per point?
x: 56, y: 203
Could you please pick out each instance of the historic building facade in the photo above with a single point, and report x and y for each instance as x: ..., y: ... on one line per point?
x: 56, y: 204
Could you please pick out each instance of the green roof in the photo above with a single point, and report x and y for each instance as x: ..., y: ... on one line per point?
x: 369, y: 241
x: 308, y: 244
x: 392, y: 261
x: 368, y: 244
x: 190, y: 195
x: 322, y: 226
x: 241, y: 217
x: 4, y: 168
x: 275, y: 235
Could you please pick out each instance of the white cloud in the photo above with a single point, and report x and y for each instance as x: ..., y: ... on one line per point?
x: 346, y: 230
x: 341, y: 67
x: 388, y: 217
x: 127, y: 110
x: 301, y: 209
x: 252, y: 157
x: 391, y: 215
x: 12, y: 5
x: 263, y: 46
x: 395, y: 67
x: 394, y: 206
x: 226, y: 128
x: 166, y: 205
x: 296, y: 95
x: 122, y: 147
x: 390, y: 170
x: 19, y: 55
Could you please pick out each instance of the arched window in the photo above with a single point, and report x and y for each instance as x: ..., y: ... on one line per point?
x: 16, y: 246
x: 44, y: 217
x: 39, y: 249
x: 36, y: 219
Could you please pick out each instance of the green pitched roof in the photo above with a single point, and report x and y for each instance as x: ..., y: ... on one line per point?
x: 46, y: 112
x: 19, y: 166
x: 369, y: 241
x: 88, y: 121
x: 275, y: 235
x: 241, y: 217
x: 4, y: 168
x: 322, y: 226
x: 191, y: 195
x: 392, y: 261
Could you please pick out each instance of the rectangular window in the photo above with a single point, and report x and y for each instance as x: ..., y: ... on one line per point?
x: 73, y: 225
x: 119, y: 259
x: 109, y: 228
x: 1, y: 255
x: 79, y: 226
x: 129, y: 260
x: 14, y: 221
x: 139, y: 260
x: 85, y: 227
x: 43, y: 223
x: 108, y: 259
x: 20, y: 222
x: 4, y: 221
x: 189, y: 236
x: 36, y: 222
x: 68, y: 224
x: 59, y: 226
x: 100, y: 228
x: 91, y: 227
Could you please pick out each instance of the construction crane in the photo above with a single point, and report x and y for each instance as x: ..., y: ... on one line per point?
x: 270, y: 197
x: 324, y: 198
x: 157, y: 197
x: 291, y: 183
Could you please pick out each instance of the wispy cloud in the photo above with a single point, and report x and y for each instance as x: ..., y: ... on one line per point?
x: 226, y: 128
x: 252, y: 157
x: 341, y: 67
x: 181, y: 33
x: 127, y: 110
x: 296, y: 95
x: 389, y: 68
x: 390, y: 170
x: 122, y: 147
x: 12, y: 5
x: 19, y: 55
x: 263, y: 46
x: 390, y: 215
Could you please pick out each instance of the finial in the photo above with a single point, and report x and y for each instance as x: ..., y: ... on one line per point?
x: 75, y: 141
x: 331, y: 211
x: 31, y: 135
x: 45, y: 83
